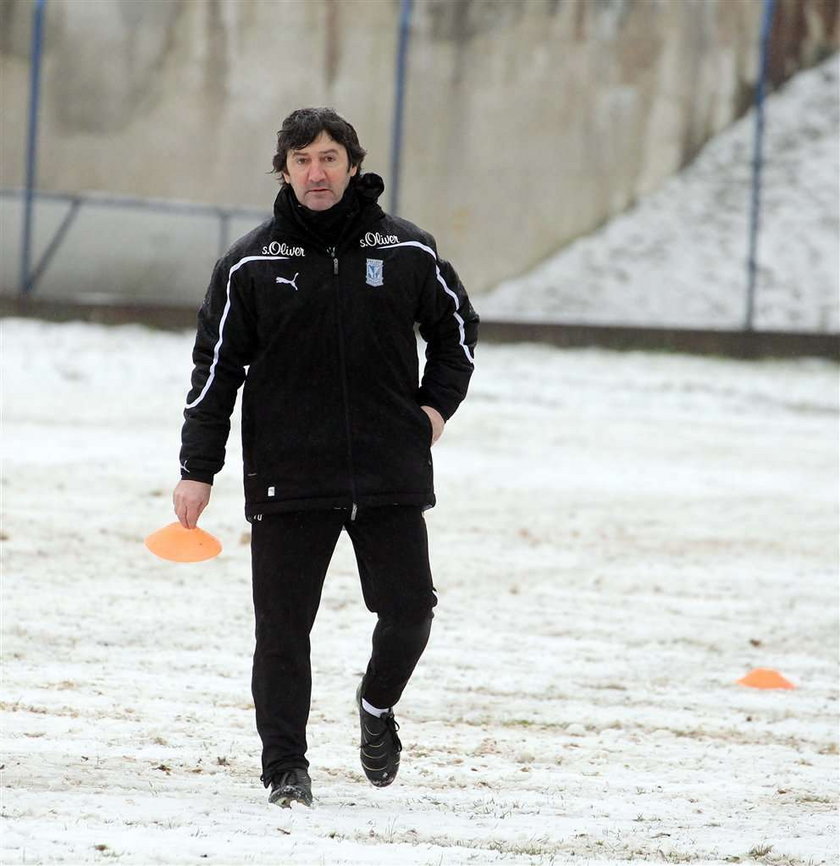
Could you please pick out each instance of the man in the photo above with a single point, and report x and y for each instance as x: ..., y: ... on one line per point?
x: 315, y: 311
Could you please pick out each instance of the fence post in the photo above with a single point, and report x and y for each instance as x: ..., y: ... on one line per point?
x: 758, y: 161
x: 31, y: 145
x: 396, y: 139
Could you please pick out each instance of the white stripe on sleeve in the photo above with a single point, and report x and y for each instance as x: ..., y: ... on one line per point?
x: 222, y: 322
x: 442, y: 281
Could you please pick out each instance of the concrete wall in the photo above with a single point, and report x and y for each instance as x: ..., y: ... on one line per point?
x: 528, y: 122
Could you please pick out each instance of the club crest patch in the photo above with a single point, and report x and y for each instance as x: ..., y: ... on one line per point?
x: 373, y: 272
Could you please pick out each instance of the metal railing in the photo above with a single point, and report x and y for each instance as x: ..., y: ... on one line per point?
x: 75, y: 201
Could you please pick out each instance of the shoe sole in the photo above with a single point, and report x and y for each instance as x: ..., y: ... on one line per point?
x: 381, y: 783
x: 285, y: 799
x: 285, y: 802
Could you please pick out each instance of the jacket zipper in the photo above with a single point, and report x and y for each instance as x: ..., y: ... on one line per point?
x: 344, y: 390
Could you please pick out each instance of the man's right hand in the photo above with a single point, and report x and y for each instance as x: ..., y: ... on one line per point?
x: 190, y: 498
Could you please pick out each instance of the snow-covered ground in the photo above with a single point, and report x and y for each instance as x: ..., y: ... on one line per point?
x: 619, y: 538
x: 679, y: 257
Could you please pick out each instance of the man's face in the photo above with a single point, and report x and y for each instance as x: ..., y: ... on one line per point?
x: 319, y: 173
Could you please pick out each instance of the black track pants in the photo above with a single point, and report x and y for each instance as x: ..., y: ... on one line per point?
x: 290, y: 554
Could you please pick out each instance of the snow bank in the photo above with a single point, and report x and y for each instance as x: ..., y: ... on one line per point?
x: 679, y: 257
x: 620, y: 537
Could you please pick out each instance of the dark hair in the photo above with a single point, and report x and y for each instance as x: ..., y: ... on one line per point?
x: 304, y: 125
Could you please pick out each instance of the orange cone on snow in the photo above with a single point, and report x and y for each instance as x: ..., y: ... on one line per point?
x: 765, y: 678
x: 178, y: 544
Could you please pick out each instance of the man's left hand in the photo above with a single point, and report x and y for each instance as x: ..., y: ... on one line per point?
x: 437, y: 422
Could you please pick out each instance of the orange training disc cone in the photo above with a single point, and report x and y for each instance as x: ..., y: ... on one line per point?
x: 178, y: 544
x: 765, y: 678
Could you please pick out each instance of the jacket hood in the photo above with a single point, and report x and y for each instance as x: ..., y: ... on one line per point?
x: 369, y: 186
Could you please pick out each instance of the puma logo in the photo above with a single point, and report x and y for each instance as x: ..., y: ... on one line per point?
x: 291, y: 282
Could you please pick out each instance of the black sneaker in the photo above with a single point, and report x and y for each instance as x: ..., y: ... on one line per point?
x: 380, y: 746
x: 291, y: 786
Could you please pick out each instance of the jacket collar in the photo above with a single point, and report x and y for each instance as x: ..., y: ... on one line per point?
x: 364, y: 213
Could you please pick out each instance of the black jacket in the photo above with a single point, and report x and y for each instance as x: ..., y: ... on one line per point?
x: 324, y: 340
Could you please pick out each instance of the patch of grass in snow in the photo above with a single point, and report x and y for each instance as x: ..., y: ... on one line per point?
x: 489, y: 723
x: 763, y: 853
x: 539, y: 850
x: 533, y: 847
x: 491, y: 807
x: 674, y: 856
x: 733, y: 736
x: 620, y: 851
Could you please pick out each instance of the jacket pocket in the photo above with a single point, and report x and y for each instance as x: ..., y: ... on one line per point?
x: 427, y: 421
